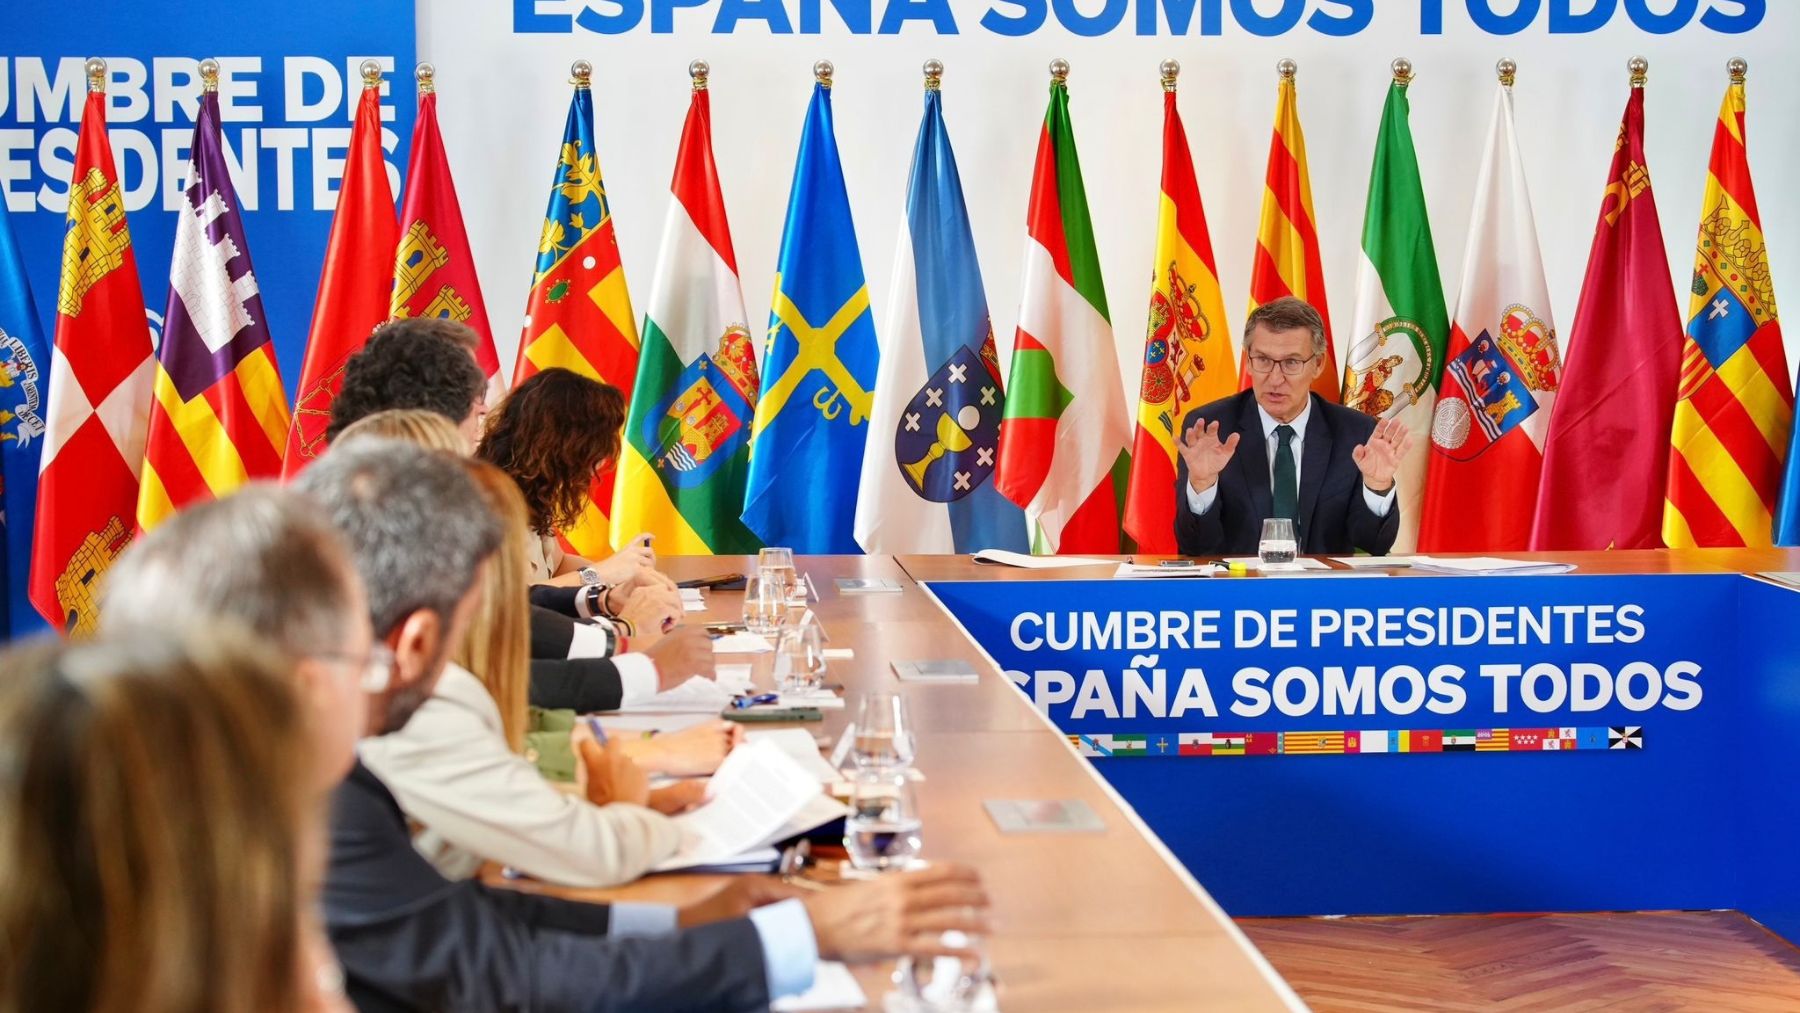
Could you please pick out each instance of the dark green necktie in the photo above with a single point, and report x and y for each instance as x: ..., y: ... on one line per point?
x: 1287, y: 488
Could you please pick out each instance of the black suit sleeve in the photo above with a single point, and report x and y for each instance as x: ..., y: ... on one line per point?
x: 556, y: 598
x: 1196, y: 534
x: 583, y: 685
x: 1369, y: 533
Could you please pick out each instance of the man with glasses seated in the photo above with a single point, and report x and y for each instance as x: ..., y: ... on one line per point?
x: 1328, y: 468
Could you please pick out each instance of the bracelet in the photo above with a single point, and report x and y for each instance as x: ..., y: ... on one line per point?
x: 606, y: 608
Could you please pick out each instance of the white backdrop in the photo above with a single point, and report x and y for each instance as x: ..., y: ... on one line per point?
x: 504, y: 96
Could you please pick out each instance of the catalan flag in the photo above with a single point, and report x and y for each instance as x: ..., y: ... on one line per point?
x: 579, y: 313
x: 219, y: 416
x: 1287, y: 242
x: 1736, y: 408
x: 1187, y: 350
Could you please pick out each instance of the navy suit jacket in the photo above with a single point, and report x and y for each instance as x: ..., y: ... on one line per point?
x: 1333, y: 517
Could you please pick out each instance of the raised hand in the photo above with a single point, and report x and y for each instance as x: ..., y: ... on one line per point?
x: 1206, y: 455
x: 1380, y: 458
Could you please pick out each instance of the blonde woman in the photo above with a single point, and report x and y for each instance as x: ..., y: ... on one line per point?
x: 427, y: 429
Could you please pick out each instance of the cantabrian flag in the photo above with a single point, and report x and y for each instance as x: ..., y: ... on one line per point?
x: 1064, y: 439
x: 220, y: 415
x: 1287, y: 242
x: 686, y: 450
x: 1187, y: 350
x: 579, y: 313
x: 1736, y: 408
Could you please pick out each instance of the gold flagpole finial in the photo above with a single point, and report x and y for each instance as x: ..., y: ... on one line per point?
x: 581, y: 74
x: 371, y: 73
x: 1059, y: 71
x: 1738, y: 68
x: 699, y: 70
x: 1170, y: 70
x: 934, y: 74
x: 1508, y: 71
x: 96, y: 74
x: 1287, y: 69
x: 209, y: 75
x: 426, y: 76
x: 1640, y: 71
x: 822, y: 72
x: 1403, y: 71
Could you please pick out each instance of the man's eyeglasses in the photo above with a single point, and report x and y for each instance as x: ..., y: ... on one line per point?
x: 1289, y: 367
x: 375, y: 668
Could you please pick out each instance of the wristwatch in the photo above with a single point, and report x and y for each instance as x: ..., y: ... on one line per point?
x: 589, y: 575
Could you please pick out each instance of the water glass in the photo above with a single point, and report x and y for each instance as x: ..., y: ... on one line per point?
x: 943, y: 984
x: 882, y: 736
x: 765, y: 603
x: 882, y: 830
x: 778, y: 562
x: 1278, y: 545
x: 800, y: 658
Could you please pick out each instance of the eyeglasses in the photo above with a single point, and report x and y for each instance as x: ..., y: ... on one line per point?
x: 1289, y: 367
x: 375, y: 668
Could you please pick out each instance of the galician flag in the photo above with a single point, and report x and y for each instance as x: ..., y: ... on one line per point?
x: 1400, y: 326
x: 1063, y: 443
x: 1187, y: 350
x: 24, y: 376
x: 686, y: 450
x: 935, y: 426
x: 1503, y: 366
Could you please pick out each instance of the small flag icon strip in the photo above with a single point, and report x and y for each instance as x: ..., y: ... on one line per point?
x: 1356, y: 742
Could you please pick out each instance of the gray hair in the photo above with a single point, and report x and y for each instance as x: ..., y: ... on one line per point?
x: 261, y: 556
x: 416, y: 525
x: 1287, y: 314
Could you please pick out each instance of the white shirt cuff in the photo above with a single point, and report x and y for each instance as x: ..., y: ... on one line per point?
x: 590, y: 641
x: 637, y: 678
x: 1200, y: 502
x: 790, y: 951
x: 1380, y: 505
x: 629, y: 919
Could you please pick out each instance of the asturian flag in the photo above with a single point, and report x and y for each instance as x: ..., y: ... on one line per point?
x: 1063, y: 442
x: 101, y: 372
x: 24, y: 365
x: 686, y: 450
x: 1487, y: 434
x: 220, y: 417
x: 938, y: 401
x: 819, y: 362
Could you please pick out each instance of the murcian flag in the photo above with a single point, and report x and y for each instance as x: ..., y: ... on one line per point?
x: 927, y: 469
x: 819, y: 362
x: 1187, y: 350
x: 24, y: 372
x: 1063, y: 444
x: 1606, y: 459
x: 579, y: 313
x: 1735, y: 414
x: 686, y: 450
x: 1287, y: 259
x: 354, y: 284
x: 1502, y: 368
x: 1393, y: 367
x: 219, y: 417
x: 101, y: 371
x: 434, y: 272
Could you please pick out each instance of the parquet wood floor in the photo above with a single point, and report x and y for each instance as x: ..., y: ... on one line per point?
x: 1648, y: 962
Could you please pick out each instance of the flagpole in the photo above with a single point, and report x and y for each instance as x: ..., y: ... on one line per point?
x: 822, y: 72
x: 1403, y: 72
x: 699, y: 70
x: 1508, y: 72
x: 1640, y: 71
x: 934, y: 75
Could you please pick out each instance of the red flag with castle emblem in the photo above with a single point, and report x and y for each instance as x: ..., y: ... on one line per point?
x: 100, y: 381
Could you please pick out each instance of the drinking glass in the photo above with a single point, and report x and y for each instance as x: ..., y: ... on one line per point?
x: 800, y: 658
x: 882, y: 830
x: 1278, y: 543
x: 765, y: 602
x: 778, y: 562
x: 943, y: 984
x: 882, y: 737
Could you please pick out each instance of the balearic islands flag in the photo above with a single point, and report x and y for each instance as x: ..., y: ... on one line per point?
x: 101, y: 372
x: 24, y: 365
x: 1503, y: 367
x: 1736, y: 408
x: 1187, y: 350
x: 1397, y: 358
x: 686, y: 449
x: 219, y: 417
x: 1063, y: 443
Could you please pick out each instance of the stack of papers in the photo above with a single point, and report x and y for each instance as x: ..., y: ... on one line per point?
x: 692, y: 600
x: 1300, y: 563
x: 742, y: 643
x: 760, y: 795
x: 1004, y: 558
x: 798, y: 743
x: 1489, y: 566
x: 1142, y: 571
x: 1376, y: 562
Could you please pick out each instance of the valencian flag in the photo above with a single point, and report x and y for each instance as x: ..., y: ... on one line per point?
x: 1063, y: 453
x: 219, y: 417
x: 434, y: 272
x: 1736, y: 409
x: 1287, y: 242
x: 100, y: 377
x: 1393, y: 367
x: 579, y: 314
x: 1502, y: 366
x: 686, y: 450
x: 936, y: 424
x: 1187, y: 350
x: 1606, y: 459
x: 24, y: 372
x: 819, y: 362
x: 356, y: 281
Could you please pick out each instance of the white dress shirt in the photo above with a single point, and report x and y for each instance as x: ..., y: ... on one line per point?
x: 1201, y: 502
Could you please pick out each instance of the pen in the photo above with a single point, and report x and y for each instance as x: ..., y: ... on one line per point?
x: 742, y: 702
x: 599, y: 732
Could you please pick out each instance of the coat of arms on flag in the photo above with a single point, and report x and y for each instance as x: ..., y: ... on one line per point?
x: 1496, y: 383
x: 706, y: 415
x: 948, y: 433
x: 1396, y: 372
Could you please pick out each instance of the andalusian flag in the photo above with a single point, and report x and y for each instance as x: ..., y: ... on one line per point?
x: 687, y: 441
x: 1401, y: 328
x: 1287, y: 243
x: 1736, y: 407
x: 1063, y: 442
x: 579, y: 315
x: 1187, y: 351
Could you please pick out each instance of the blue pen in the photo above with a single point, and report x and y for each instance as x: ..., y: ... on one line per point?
x: 742, y: 702
x: 599, y: 732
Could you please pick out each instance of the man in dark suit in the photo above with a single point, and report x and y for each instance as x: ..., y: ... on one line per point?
x: 1278, y: 450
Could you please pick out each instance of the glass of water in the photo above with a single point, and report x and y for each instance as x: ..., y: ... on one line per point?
x: 882, y: 737
x: 882, y: 830
x: 765, y: 603
x: 943, y: 984
x: 800, y: 658
x: 777, y: 562
x: 1278, y: 543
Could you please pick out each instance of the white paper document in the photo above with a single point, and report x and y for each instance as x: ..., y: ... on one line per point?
x: 1030, y: 562
x: 833, y: 988
x: 799, y: 744
x: 1151, y: 571
x: 1300, y: 563
x: 742, y: 643
x: 752, y: 797
x: 1489, y: 566
x: 1376, y: 562
x: 698, y: 695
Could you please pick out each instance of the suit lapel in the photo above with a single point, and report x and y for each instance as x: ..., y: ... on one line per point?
x: 1315, y: 459
x: 1253, y: 457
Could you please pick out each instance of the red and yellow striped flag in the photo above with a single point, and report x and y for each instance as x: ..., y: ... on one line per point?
x: 1187, y: 348
x: 1736, y: 404
x: 1287, y: 244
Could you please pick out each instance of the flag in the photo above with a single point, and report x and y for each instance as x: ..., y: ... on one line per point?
x: 1287, y: 240
x: 434, y: 272
x: 686, y: 450
x: 1606, y: 457
x: 579, y: 313
x: 219, y: 415
x: 819, y: 361
x: 1393, y: 368
x: 1735, y: 412
x: 1063, y: 443
x: 354, y: 284
x: 1502, y: 368
x: 938, y: 396
x: 101, y: 372
x: 1187, y: 347
x: 24, y: 359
